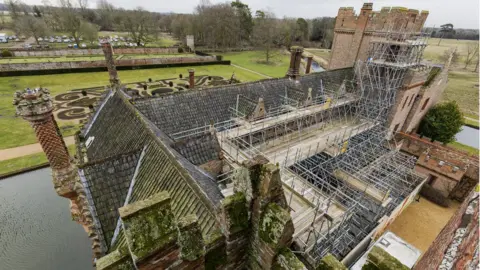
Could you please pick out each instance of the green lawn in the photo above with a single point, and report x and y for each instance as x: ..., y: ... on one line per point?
x: 15, y: 164
x: 14, y: 131
x: 255, y: 60
x: 463, y: 147
x: 463, y: 88
x: 323, y: 53
x: 434, y: 52
x: 471, y: 122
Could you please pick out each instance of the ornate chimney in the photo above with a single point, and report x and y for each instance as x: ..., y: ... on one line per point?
x: 295, y: 59
x: 112, y: 70
x: 191, y: 78
x: 309, y: 64
x: 36, y: 106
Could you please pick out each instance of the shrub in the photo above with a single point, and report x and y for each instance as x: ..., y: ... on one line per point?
x: 170, y: 84
x: 180, y: 76
x: 180, y: 50
x: 434, y: 195
x: 442, y: 122
x: 149, y: 79
x: 145, y: 87
x: 6, y: 53
x: 84, y: 93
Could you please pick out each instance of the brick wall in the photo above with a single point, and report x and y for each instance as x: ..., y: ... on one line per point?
x: 436, y: 254
x: 88, y: 52
x: 101, y: 63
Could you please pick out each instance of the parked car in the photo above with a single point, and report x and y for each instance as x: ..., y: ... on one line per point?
x: 40, y: 39
x: 27, y: 46
x: 70, y: 46
x: 83, y: 45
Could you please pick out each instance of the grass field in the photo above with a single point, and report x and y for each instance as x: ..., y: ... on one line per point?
x: 254, y: 60
x: 434, y: 52
x: 323, y: 53
x: 15, y: 164
x: 463, y: 88
x: 466, y: 148
x: 15, y: 131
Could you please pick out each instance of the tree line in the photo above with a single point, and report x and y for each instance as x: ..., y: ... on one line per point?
x: 216, y: 26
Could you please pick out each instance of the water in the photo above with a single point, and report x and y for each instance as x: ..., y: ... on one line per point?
x: 36, y: 228
x: 316, y: 67
x: 468, y: 136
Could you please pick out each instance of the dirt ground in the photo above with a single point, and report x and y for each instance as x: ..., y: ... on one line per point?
x: 421, y: 222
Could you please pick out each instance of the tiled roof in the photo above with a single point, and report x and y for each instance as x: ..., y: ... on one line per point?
x: 199, y: 149
x: 115, y: 129
x: 203, y: 106
x: 118, y: 129
x: 107, y: 182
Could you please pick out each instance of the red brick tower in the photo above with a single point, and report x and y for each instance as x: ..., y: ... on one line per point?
x: 35, y: 106
x: 112, y: 70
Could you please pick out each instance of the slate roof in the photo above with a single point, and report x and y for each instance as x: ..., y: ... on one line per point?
x: 121, y: 131
x: 199, y: 149
x: 107, y: 182
x: 202, y: 106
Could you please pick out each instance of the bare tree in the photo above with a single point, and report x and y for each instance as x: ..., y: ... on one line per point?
x: 446, y: 55
x: 472, y: 53
x: 265, y: 33
x: 139, y: 24
x: 71, y: 21
x: 31, y: 27
x: 14, y: 8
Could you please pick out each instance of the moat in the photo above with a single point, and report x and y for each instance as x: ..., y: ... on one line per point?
x: 36, y: 229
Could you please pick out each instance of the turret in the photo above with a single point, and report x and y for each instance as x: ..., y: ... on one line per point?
x: 36, y: 106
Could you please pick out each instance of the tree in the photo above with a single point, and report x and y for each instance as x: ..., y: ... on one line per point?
x: 138, y: 23
x: 31, y: 27
x: 445, y: 29
x: 106, y: 13
x: 442, y: 122
x: 265, y: 33
x: 89, y: 31
x: 71, y: 21
x: 245, y: 18
x: 14, y: 8
x: 36, y: 12
x: 472, y: 53
x: 302, y: 27
x: 446, y: 56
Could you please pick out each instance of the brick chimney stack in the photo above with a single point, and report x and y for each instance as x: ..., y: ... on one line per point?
x: 191, y: 78
x: 309, y: 64
x: 295, y: 59
x: 112, y: 70
x: 36, y: 106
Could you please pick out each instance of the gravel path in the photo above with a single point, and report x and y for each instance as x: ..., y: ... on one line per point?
x: 29, y: 149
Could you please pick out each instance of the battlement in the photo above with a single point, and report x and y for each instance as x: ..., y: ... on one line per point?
x: 387, y: 19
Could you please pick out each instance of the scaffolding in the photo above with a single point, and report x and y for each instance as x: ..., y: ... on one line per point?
x: 331, y: 145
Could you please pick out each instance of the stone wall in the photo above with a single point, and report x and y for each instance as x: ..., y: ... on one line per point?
x: 456, y: 247
x: 89, y: 52
x: 101, y: 63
